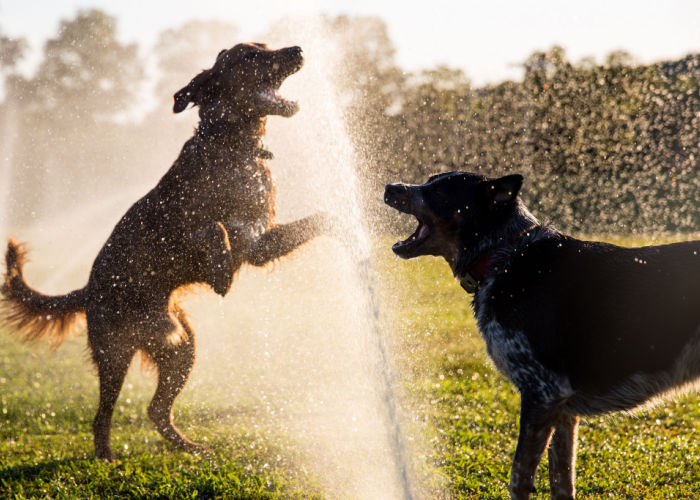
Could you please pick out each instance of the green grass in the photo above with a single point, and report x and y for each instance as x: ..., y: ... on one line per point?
x: 474, y: 410
x: 47, y: 402
x: 463, y: 410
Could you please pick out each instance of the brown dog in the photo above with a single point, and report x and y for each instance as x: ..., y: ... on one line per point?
x: 210, y: 213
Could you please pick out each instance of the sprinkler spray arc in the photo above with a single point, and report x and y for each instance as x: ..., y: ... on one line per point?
x: 386, y: 380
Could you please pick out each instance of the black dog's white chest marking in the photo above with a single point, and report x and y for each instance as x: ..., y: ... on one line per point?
x: 572, y: 340
x: 510, y: 351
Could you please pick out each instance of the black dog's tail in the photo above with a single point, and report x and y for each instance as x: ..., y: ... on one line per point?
x: 32, y: 314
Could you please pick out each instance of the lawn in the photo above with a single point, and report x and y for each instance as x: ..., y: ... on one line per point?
x: 460, y: 417
x: 473, y: 410
x: 47, y: 400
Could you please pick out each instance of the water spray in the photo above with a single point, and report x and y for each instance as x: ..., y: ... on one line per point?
x: 322, y: 150
x: 7, y: 143
x: 386, y: 380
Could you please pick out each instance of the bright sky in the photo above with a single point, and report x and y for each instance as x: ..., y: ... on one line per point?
x: 487, y: 39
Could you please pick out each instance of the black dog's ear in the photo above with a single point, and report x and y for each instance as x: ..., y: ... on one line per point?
x: 191, y: 92
x: 502, y: 191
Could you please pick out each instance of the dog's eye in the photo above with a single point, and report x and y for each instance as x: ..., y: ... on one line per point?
x: 440, y: 199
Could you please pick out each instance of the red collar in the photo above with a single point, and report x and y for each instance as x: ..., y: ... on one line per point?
x: 474, y: 276
x: 470, y: 281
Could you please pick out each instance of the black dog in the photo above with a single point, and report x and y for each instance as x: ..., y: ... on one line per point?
x: 580, y: 327
x: 211, y: 212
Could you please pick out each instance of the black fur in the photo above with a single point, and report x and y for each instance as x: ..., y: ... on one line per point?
x: 603, y: 312
x: 580, y: 327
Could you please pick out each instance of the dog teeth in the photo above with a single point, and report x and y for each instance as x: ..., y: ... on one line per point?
x: 272, y: 97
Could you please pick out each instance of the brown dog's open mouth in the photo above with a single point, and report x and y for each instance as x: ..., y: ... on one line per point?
x: 270, y: 99
x: 421, y: 234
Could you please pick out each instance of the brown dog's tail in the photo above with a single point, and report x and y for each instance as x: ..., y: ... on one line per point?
x: 32, y: 314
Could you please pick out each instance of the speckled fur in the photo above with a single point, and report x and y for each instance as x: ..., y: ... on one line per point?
x: 580, y: 327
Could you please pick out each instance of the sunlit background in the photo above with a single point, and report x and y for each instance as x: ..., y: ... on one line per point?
x: 488, y: 40
x: 547, y: 89
x: 597, y: 103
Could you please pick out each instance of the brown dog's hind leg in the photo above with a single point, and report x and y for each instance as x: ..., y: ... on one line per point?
x: 112, y: 365
x: 562, y: 458
x: 173, y: 356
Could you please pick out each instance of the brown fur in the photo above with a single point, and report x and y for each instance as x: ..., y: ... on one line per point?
x: 211, y: 212
x: 34, y: 315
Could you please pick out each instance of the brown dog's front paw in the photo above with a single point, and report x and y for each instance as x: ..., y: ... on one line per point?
x: 221, y: 276
x: 218, y: 261
x: 324, y: 223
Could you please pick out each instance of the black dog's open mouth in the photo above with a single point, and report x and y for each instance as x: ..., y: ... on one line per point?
x: 402, y: 197
x: 421, y: 234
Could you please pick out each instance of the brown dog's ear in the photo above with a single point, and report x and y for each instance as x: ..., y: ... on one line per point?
x: 502, y: 191
x: 182, y: 98
x: 191, y: 92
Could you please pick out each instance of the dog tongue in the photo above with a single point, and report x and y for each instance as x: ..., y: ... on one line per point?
x: 284, y: 106
x: 272, y: 96
x: 420, y: 233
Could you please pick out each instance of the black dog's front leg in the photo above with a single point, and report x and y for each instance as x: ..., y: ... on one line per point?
x: 536, y: 424
x: 282, y: 239
x: 562, y: 458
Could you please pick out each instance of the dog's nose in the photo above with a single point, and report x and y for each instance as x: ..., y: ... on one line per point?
x: 394, y: 191
x: 292, y: 55
x: 294, y: 51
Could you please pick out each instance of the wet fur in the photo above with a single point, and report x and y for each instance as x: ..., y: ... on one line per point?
x: 580, y: 327
x: 32, y: 315
x: 212, y: 212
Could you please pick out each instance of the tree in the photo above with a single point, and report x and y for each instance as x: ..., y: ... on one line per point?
x: 11, y: 51
x: 67, y: 111
x: 180, y: 54
x: 183, y: 52
x: 429, y: 128
x: 86, y: 73
x: 372, y: 83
